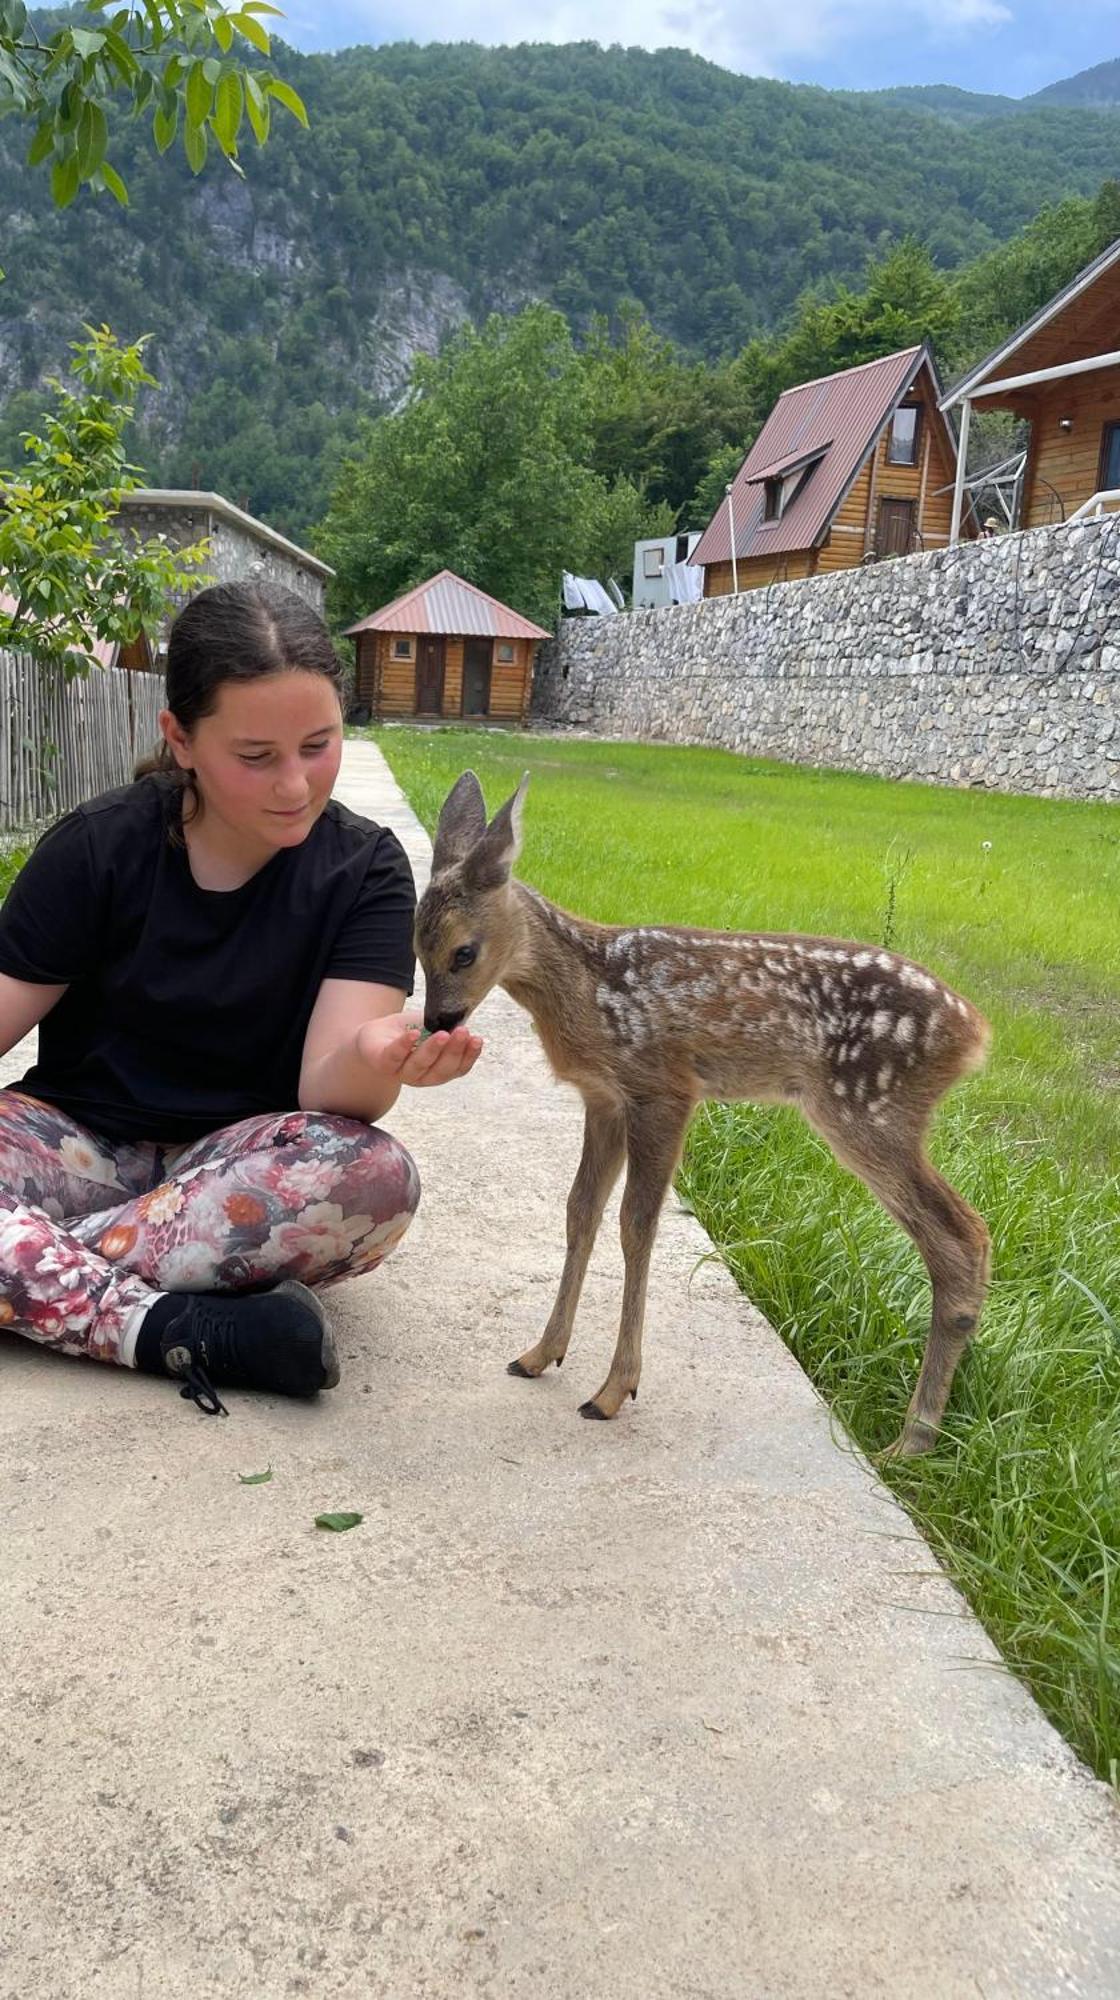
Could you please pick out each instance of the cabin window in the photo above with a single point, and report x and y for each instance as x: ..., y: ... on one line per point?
x: 1109, y: 478
x: 503, y: 653
x: 902, y: 446
x: 780, y: 494
x: 402, y: 649
x: 653, y: 562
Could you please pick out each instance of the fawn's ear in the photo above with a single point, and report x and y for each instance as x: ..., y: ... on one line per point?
x: 462, y: 822
x: 490, y: 860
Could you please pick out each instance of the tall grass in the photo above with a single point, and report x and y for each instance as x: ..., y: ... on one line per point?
x: 1015, y: 902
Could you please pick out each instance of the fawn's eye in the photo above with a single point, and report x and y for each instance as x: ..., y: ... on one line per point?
x: 466, y: 955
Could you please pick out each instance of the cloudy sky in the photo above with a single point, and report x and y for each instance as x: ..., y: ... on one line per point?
x: 1012, y: 46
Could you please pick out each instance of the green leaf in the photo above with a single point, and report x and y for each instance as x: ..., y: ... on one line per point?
x: 256, y: 104
x: 156, y: 26
x: 252, y: 31
x: 223, y: 33
x: 165, y: 124
x: 289, y: 98
x: 211, y: 70
x: 41, y: 144
x: 338, y: 1523
x: 120, y: 55
x: 69, y: 107
x: 194, y: 146
x: 200, y: 96
x: 114, y: 183
x: 256, y: 1478
x: 64, y: 181
x: 228, y: 106
x: 88, y: 41
x: 93, y: 138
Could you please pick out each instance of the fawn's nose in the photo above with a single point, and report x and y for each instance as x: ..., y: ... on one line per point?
x: 434, y: 1022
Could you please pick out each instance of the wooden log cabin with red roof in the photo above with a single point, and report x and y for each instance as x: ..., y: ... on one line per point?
x: 446, y: 650
x: 847, y: 468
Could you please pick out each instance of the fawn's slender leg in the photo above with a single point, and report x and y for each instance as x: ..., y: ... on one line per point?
x: 654, y: 1136
x: 955, y: 1244
x: 956, y: 1249
x: 604, y: 1148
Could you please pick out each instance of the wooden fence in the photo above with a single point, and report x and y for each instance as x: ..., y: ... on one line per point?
x: 62, y: 742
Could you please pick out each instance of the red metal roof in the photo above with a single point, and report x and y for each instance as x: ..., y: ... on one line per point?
x: 839, y: 416
x: 448, y: 604
x: 781, y: 467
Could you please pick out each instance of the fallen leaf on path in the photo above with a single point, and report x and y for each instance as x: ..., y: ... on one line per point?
x: 338, y: 1523
x: 256, y: 1478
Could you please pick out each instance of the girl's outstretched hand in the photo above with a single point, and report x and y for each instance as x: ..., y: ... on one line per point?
x: 391, y: 1045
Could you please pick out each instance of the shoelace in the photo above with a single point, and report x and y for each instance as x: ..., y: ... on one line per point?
x: 197, y: 1387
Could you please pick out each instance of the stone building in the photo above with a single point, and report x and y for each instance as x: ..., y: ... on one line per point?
x: 240, y: 547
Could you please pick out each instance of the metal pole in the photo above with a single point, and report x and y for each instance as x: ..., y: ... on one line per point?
x: 731, y: 527
x: 962, y: 462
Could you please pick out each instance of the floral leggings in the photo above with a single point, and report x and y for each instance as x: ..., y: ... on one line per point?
x: 91, y: 1231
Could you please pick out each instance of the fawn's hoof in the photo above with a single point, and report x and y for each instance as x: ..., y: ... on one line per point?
x: 515, y: 1368
x: 591, y: 1409
x: 914, y: 1442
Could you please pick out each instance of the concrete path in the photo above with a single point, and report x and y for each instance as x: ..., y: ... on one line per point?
x: 676, y: 1706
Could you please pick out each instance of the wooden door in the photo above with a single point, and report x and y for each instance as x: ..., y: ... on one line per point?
x: 896, y: 527
x: 429, y: 674
x: 477, y: 655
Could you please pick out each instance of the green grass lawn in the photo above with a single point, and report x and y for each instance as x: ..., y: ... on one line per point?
x: 1017, y: 903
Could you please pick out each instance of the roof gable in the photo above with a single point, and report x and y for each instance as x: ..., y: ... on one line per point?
x: 1074, y: 291
x: 831, y: 424
x: 447, y: 604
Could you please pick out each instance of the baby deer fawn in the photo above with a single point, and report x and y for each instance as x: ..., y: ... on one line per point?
x: 647, y: 1023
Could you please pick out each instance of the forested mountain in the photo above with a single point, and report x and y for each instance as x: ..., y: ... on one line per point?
x: 437, y: 183
x: 1096, y: 87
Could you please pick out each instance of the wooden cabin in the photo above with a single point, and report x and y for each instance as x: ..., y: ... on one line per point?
x: 446, y: 650
x: 846, y: 469
x: 1061, y: 374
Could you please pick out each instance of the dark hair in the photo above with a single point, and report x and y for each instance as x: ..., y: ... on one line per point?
x: 236, y: 632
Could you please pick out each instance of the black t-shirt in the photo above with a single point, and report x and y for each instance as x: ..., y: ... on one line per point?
x: 187, y: 1008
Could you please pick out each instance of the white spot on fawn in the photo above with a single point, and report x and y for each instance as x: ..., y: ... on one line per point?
x: 904, y: 1029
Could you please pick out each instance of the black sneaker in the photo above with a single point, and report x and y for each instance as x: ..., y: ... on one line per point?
x: 279, y: 1340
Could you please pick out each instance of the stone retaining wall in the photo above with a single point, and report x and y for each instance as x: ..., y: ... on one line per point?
x: 995, y: 664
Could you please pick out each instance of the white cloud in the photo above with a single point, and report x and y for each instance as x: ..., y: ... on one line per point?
x: 756, y: 40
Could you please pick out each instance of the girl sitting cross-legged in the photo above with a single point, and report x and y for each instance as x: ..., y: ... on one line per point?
x: 217, y: 957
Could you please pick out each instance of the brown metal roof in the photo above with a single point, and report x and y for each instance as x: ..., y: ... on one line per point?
x: 782, y: 467
x: 839, y: 416
x: 448, y: 604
